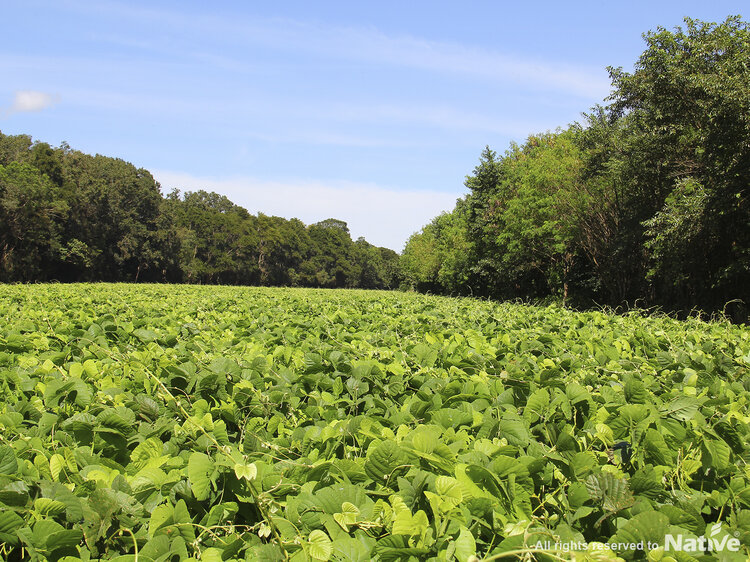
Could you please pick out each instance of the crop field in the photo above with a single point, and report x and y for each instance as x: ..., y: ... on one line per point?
x: 165, y: 423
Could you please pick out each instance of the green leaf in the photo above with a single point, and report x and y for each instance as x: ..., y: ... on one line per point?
x: 680, y: 518
x: 656, y: 448
x: 426, y: 439
x: 466, y: 546
x: 348, y: 516
x: 8, y: 463
x: 161, y: 516
x: 319, y: 545
x: 64, y: 539
x: 117, y: 421
x: 635, y: 392
x: 212, y: 555
x: 537, y: 405
x: 396, y: 547
x: 48, y: 507
x: 449, y: 490
x: 648, y: 526
x: 183, y: 521
x: 49, y: 535
x: 577, y: 494
x: 403, y: 523
x: 633, y: 414
x: 199, y: 469
x: 331, y: 499
x: 56, y: 466
x: 10, y: 522
x: 581, y: 464
x: 682, y: 408
x: 407, y: 524
x: 247, y: 471
x: 612, y: 491
x: 351, y: 550
x: 146, y: 336
x: 425, y: 355
x: 717, y: 454
x: 487, y: 481
x: 628, y: 419
x: 149, y: 450
x: 514, y: 431
x: 384, y: 459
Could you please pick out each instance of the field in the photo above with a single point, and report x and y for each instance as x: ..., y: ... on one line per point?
x: 160, y: 423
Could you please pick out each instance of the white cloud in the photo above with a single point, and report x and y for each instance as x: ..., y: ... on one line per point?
x: 444, y: 117
x: 453, y: 58
x: 368, y: 45
x: 318, y: 123
x: 30, y: 101
x: 384, y: 216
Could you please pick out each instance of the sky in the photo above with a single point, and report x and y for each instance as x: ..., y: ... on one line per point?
x: 369, y: 112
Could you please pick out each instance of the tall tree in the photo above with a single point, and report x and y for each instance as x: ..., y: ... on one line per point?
x: 539, y: 234
x: 687, y: 158
x: 30, y: 214
x: 482, y: 228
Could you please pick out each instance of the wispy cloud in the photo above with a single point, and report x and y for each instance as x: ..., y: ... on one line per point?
x: 248, y: 89
x: 451, y: 58
x: 30, y: 101
x: 384, y: 216
x: 368, y: 45
x: 441, y: 116
x: 320, y: 123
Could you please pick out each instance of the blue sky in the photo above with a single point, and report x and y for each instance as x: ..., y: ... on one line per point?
x: 371, y: 112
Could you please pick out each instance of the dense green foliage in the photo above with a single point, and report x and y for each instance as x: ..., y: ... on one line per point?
x: 647, y: 201
x: 68, y: 216
x: 157, y: 422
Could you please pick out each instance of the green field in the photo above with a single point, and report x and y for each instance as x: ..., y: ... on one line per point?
x: 160, y: 422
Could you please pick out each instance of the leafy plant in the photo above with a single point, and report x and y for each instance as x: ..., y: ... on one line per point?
x: 192, y: 423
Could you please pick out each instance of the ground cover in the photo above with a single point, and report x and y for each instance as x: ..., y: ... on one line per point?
x: 161, y: 422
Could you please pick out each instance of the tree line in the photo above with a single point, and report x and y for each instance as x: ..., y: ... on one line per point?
x: 646, y: 202
x: 69, y: 216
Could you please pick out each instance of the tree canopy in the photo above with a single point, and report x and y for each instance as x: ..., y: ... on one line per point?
x: 644, y: 202
x: 70, y: 216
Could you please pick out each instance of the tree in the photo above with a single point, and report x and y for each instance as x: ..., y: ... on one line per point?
x: 70, y: 216
x: 687, y: 105
x: 646, y: 202
x: 539, y: 233
x: 218, y: 241
x: 481, y: 206
x: 438, y: 258
x: 30, y: 213
x: 332, y: 262
x: 420, y: 261
x: 113, y: 210
x: 14, y: 148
